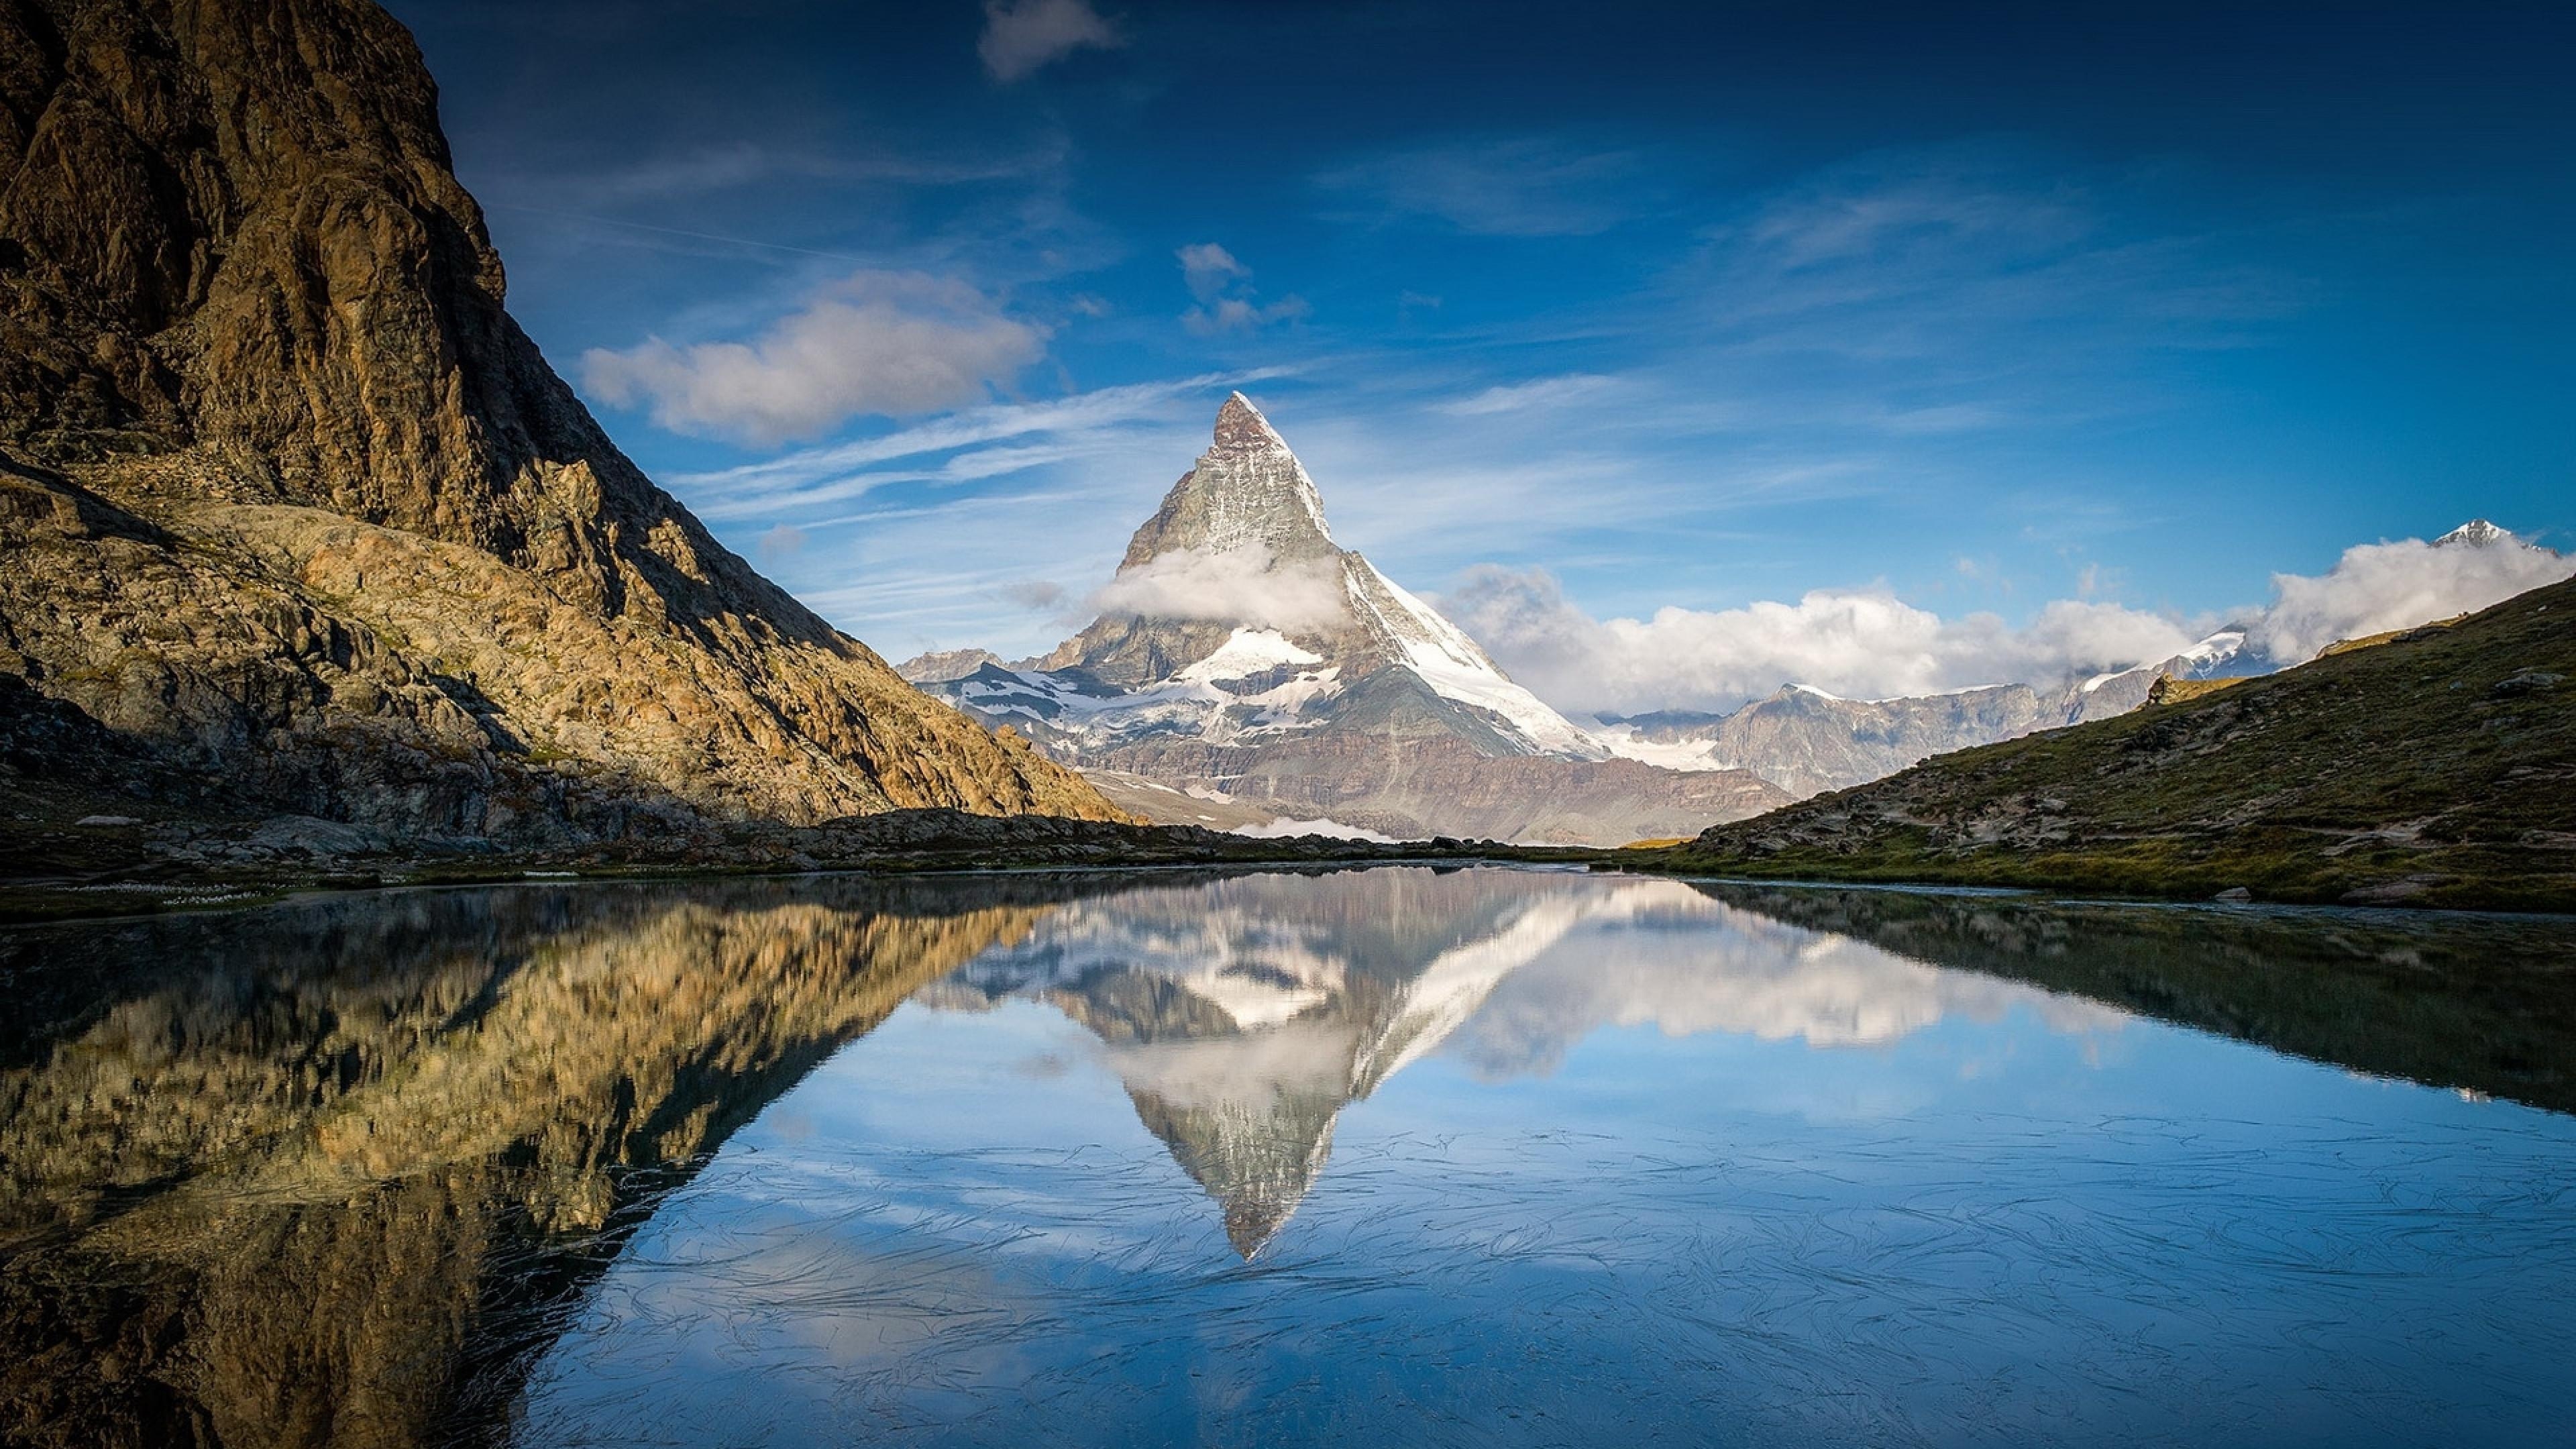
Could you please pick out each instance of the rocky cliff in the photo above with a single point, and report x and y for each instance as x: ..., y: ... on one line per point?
x: 298, y: 520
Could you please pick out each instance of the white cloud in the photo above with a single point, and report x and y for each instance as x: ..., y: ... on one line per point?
x: 1209, y: 269
x: 874, y: 342
x: 1231, y: 586
x: 1869, y: 644
x: 1082, y: 425
x: 1863, y: 643
x: 2376, y: 587
x: 1236, y: 314
x: 1027, y: 36
x: 1545, y: 392
x: 1227, y: 301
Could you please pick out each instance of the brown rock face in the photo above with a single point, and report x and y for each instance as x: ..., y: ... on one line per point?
x: 290, y: 499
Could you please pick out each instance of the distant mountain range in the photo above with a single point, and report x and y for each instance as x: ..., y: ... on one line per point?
x: 1243, y: 659
x: 1809, y: 742
x: 2435, y: 765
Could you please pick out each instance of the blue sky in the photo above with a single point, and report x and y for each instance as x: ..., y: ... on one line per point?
x: 1683, y: 307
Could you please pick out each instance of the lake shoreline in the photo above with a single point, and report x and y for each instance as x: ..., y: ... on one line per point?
x: 130, y: 870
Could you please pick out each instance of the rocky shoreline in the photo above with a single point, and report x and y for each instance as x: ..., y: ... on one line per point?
x: 102, y: 866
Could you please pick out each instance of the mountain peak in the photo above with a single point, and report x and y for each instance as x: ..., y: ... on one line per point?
x: 1240, y: 425
x: 2476, y: 533
x: 1248, y: 490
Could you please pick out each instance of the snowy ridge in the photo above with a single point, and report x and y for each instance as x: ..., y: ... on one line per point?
x: 1234, y: 694
x: 2200, y: 661
x: 1443, y: 657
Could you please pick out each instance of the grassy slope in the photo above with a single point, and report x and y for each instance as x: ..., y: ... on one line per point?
x: 2431, y: 769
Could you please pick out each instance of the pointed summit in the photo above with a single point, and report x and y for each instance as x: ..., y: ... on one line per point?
x: 2476, y: 533
x: 1240, y: 425
x: 1247, y: 490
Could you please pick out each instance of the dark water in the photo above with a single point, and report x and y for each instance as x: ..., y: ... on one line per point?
x: 1479, y: 1157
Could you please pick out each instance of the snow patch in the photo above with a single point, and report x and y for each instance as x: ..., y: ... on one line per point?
x: 1248, y: 652
x: 1283, y: 828
x: 1447, y: 660
x: 1628, y: 743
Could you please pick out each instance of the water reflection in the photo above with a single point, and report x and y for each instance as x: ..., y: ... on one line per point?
x: 326, y: 1175
x: 1243, y: 1016
x: 370, y: 1171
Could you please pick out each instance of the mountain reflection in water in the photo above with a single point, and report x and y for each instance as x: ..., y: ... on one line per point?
x: 349, y: 1172
x: 1245, y: 1014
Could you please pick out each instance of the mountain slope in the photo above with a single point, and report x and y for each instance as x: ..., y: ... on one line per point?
x: 2439, y: 767
x: 1242, y: 653
x: 299, y: 519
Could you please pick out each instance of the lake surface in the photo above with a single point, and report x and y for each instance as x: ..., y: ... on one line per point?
x: 1395, y: 1156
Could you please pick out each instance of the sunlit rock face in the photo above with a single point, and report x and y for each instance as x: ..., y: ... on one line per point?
x: 327, y: 1176
x: 299, y: 520
x: 1244, y: 1016
x: 1242, y: 655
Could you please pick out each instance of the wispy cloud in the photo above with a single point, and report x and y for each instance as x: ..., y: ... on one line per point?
x: 1952, y: 253
x: 1061, y: 429
x: 1518, y: 186
x: 874, y: 342
x: 1545, y: 392
x: 1024, y: 36
x: 1226, y: 300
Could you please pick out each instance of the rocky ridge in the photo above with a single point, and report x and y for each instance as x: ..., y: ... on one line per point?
x: 300, y: 521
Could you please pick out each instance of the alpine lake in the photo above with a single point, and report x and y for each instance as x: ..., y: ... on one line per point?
x: 1396, y: 1156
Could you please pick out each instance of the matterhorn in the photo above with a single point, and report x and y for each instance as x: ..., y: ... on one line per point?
x: 1245, y: 670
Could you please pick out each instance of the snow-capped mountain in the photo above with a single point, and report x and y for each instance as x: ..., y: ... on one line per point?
x: 1244, y: 620
x: 1241, y: 652
x: 1246, y: 1017
x: 2478, y: 533
x: 1809, y: 742
x: 1243, y: 1018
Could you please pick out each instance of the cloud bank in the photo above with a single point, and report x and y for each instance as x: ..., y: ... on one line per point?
x: 1870, y: 644
x: 1031, y: 35
x: 874, y: 342
x: 1231, y: 586
x: 2376, y: 587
